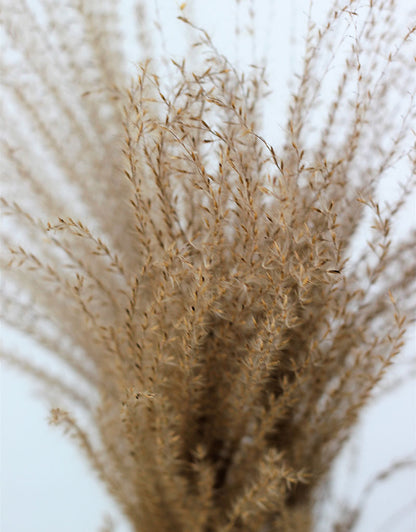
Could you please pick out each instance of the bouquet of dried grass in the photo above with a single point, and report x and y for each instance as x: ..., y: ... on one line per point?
x: 205, y: 287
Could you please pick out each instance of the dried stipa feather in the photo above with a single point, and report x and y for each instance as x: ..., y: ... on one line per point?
x: 206, y: 287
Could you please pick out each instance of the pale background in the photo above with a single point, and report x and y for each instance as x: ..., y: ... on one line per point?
x: 46, y: 485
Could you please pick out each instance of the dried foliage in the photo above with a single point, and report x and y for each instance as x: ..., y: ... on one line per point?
x: 204, y: 287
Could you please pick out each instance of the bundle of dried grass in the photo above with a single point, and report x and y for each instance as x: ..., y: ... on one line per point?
x: 203, y: 286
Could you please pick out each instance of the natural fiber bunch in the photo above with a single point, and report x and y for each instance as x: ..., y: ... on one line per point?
x: 202, y: 286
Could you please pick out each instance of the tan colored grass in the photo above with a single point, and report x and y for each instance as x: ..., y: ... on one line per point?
x: 231, y: 331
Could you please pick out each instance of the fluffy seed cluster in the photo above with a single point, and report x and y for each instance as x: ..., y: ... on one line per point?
x: 204, y: 288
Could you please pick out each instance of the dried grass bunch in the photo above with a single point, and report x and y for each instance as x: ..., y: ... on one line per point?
x: 205, y: 288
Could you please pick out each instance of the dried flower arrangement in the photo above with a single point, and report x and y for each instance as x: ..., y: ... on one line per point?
x: 202, y: 285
